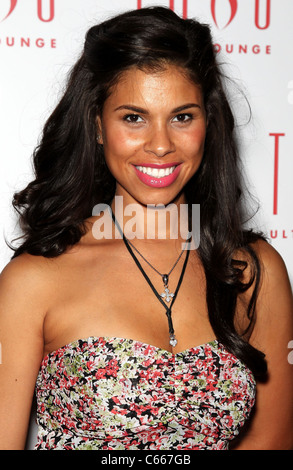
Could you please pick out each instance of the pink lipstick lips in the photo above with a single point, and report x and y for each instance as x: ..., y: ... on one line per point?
x: 158, y: 176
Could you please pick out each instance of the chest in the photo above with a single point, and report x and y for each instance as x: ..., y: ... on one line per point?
x: 114, y: 298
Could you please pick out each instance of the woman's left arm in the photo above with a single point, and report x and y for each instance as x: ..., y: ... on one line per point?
x: 271, y: 426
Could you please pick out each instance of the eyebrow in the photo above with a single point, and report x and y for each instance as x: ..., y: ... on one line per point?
x: 144, y: 111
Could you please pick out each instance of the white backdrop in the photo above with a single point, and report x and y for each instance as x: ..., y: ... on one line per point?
x: 40, y: 40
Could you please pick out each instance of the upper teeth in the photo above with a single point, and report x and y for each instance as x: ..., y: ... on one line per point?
x: 156, y: 172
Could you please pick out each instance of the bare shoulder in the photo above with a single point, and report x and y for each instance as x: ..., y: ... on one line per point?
x: 274, y: 272
x: 272, y: 266
x: 25, y: 290
x: 26, y: 263
x: 274, y: 293
x: 28, y: 271
x: 275, y: 300
x: 272, y: 334
x: 269, y: 256
x: 26, y: 287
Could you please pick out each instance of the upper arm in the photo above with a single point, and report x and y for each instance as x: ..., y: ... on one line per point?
x: 271, y: 426
x: 23, y: 298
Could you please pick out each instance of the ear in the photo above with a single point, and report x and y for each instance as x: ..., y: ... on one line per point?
x: 99, y: 131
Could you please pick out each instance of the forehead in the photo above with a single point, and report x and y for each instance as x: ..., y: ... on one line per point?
x: 170, y: 86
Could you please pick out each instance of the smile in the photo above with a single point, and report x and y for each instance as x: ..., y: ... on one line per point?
x: 158, y: 177
x: 156, y: 172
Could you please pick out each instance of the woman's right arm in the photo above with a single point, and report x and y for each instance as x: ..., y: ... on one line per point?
x: 24, y: 294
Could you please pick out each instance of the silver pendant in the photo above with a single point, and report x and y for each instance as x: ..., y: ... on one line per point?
x: 167, y: 295
x: 173, y: 341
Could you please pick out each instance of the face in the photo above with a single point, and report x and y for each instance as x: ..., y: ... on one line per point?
x: 153, y: 130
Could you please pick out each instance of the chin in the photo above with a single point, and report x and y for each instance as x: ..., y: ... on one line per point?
x: 162, y: 199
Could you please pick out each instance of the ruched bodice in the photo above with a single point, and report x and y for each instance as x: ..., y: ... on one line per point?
x: 117, y: 393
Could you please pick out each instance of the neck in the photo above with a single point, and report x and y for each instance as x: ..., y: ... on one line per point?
x: 152, y: 222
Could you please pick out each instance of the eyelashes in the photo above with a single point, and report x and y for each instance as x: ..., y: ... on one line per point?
x: 181, y: 118
x: 132, y: 118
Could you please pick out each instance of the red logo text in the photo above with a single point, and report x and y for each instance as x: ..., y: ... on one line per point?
x: 276, y: 170
x: 259, y: 5
x: 262, y: 11
x: 42, y: 5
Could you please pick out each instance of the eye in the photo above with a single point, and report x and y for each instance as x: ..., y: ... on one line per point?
x: 184, y: 117
x: 132, y: 118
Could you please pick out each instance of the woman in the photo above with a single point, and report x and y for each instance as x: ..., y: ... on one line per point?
x: 144, y: 120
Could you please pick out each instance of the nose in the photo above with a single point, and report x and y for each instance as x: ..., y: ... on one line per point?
x: 159, y: 141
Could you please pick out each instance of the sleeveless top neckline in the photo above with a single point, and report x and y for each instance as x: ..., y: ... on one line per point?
x: 107, y: 338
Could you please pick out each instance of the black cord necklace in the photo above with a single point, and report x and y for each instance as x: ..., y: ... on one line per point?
x: 165, y: 277
x: 166, y: 295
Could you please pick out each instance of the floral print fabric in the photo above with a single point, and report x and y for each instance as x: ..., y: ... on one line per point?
x: 116, y: 394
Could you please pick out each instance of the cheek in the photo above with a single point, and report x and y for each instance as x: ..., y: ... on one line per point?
x: 194, y: 143
x: 119, y: 145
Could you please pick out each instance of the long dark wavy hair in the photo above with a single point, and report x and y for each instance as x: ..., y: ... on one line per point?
x: 71, y: 175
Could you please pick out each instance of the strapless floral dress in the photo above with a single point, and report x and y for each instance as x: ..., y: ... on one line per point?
x: 105, y: 393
